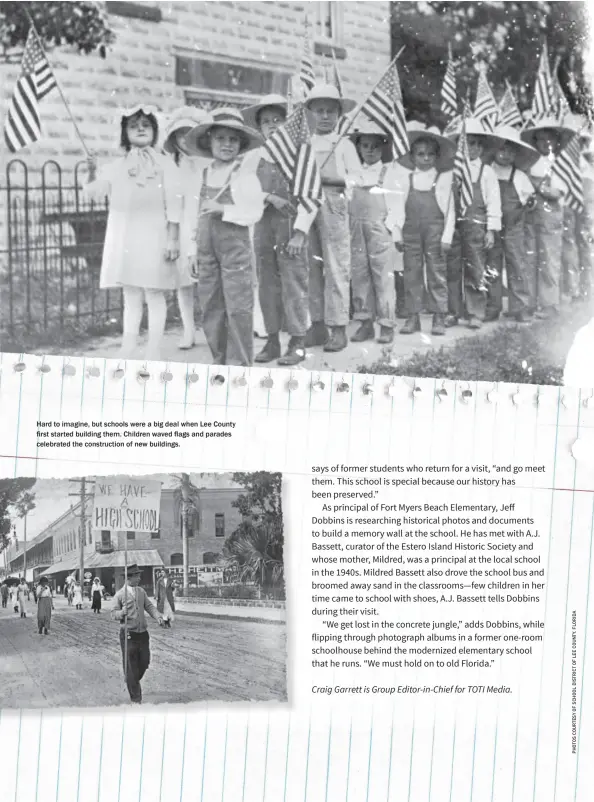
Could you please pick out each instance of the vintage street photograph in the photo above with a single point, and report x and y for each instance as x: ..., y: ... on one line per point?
x: 161, y: 589
x: 401, y: 188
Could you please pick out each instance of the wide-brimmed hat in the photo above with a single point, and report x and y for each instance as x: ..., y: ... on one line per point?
x: 363, y: 126
x: 134, y: 570
x: 473, y: 127
x: 547, y: 124
x: 329, y: 92
x: 250, y: 115
x: 579, y: 124
x: 186, y: 117
x: 526, y: 155
x: 446, y: 148
x: 198, y: 139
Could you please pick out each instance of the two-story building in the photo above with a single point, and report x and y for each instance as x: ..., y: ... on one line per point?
x: 55, y: 551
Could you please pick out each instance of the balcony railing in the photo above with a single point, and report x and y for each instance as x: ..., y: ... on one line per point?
x: 105, y: 547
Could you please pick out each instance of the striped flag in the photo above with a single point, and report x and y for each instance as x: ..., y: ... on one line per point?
x: 449, y: 99
x: 485, y: 105
x: 22, y: 126
x: 566, y: 168
x: 290, y: 148
x: 462, y: 176
x: 306, y: 69
x: 543, y: 102
x: 509, y: 112
x: 384, y: 107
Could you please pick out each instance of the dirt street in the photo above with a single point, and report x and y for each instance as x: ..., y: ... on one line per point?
x: 79, y: 663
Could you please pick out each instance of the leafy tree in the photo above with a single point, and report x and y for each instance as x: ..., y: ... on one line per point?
x: 16, y: 500
x: 187, y: 497
x: 82, y: 24
x: 507, y: 36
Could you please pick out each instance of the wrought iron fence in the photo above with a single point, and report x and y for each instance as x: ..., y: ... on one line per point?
x: 50, y: 256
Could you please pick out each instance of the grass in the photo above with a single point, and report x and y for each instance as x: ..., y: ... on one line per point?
x: 531, y: 354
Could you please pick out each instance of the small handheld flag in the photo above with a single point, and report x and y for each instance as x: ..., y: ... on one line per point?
x: 306, y: 69
x: 485, y: 106
x: 543, y: 101
x: 290, y: 148
x: 509, y: 113
x: 566, y: 168
x: 23, y: 124
x: 449, y: 99
x: 384, y: 107
x: 462, y: 175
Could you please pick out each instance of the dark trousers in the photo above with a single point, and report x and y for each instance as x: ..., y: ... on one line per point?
x: 4, y: 602
x: 139, y: 658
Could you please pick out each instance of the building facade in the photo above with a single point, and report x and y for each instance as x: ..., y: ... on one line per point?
x: 202, y: 53
x: 55, y: 551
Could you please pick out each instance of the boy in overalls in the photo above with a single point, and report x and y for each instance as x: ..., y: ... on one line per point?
x: 427, y: 226
x: 474, y: 236
x: 230, y: 200
x: 373, y: 212
x: 511, y: 157
x: 330, y: 257
x: 280, y: 245
x: 546, y: 218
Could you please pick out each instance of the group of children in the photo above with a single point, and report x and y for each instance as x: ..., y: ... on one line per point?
x: 209, y: 206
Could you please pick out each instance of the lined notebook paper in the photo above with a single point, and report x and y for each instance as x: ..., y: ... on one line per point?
x: 440, y: 747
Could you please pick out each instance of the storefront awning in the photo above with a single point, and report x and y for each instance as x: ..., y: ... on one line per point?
x: 115, y: 559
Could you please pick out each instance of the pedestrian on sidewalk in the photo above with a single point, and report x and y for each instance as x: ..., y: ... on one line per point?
x: 97, y: 590
x: 77, y: 596
x: 129, y: 606
x: 45, y: 605
x: 22, y: 595
x: 4, y: 593
x: 165, y: 599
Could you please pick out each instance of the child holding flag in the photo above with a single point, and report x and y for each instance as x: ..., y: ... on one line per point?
x: 427, y: 225
x: 330, y: 258
x: 511, y: 158
x: 280, y: 244
x: 545, y: 228
x: 230, y: 200
x: 474, y: 235
x: 373, y: 212
x: 142, y: 237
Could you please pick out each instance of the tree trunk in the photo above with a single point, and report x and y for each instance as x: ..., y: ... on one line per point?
x: 185, y: 492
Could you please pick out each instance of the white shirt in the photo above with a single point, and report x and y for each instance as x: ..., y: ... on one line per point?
x: 345, y: 156
x: 522, y: 184
x: 392, y: 188
x: 248, y: 199
x: 542, y: 169
x: 490, y: 191
x: 423, y: 180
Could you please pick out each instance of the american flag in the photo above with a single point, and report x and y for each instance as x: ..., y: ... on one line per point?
x: 306, y: 69
x: 462, y: 176
x: 566, y: 168
x: 290, y: 148
x: 543, y: 102
x: 485, y: 105
x: 509, y: 113
x: 384, y: 107
x: 449, y: 99
x: 22, y: 126
x: 560, y: 104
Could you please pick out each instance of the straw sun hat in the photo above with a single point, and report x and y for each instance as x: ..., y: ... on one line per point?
x: 446, y: 148
x: 564, y: 132
x: 526, y: 155
x: 329, y: 92
x: 187, y: 117
x: 198, y: 139
x: 250, y: 115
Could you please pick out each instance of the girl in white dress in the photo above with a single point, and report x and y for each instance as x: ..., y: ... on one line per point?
x: 142, y: 237
x: 179, y: 124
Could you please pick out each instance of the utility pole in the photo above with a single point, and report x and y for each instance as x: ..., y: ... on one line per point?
x: 82, y: 495
x: 25, y: 547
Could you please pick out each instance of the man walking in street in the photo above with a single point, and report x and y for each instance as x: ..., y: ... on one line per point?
x: 4, y: 593
x: 129, y: 606
x: 165, y: 600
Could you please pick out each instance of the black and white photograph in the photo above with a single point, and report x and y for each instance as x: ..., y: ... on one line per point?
x: 398, y: 188
x: 160, y: 589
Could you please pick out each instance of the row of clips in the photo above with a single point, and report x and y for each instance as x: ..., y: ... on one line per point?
x: 396, y: 387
